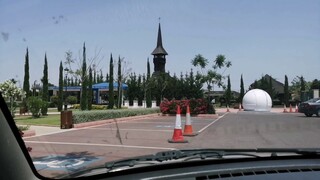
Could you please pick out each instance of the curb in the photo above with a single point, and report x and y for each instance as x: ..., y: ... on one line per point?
x: 29, y: 133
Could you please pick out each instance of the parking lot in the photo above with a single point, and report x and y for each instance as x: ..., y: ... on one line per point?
x: 67, y: 151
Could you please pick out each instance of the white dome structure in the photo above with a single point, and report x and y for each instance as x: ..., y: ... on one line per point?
x: 257, y: 100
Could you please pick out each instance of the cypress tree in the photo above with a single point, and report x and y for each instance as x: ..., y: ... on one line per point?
x: 94, y: 77
x: 101, y: 77
x: 111, y: 94
x: 148, y: 86
x: 84, y: 99
x: 270, y: 88
x: 302, y: 89
x: 119, y: 84
x: 228, y: 92
x: 60, y: 94
x: 286, y: 91
x: 45, y: 91
x: 90, y: 90
x: 241, y: 89
x: 139, y: 94
x: 26, y: 84
x: 107, y: 77
x: 72, y: 81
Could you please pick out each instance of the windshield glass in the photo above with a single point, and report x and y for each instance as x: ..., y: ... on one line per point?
x: 314, y: 100
x: 92, y: 82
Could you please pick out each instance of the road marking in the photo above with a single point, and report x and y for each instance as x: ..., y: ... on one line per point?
x: 146, y: 130
x: 57, y: 132
x: 102, y: 145
x: 211, y: 123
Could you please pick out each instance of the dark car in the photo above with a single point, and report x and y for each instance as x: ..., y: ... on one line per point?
x: 310, y: 107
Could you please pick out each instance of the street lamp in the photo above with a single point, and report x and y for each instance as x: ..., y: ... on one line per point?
x: 66, y: 70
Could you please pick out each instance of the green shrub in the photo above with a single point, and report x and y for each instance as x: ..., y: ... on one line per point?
x: 94, y: 107
x: 88, y: 116
x: 54, y: 100
x: 34, y: 106
x: 72, y: 99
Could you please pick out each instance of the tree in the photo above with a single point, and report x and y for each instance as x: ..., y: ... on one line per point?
x: 212, y: 76
x: 90, y: 89
x: 75, y: 66
x: 228, y: 92
x: 286, y: 91
x: 11, y: 93
x: 84, y: 98
x: 270, y: 89
x: 35, y: 104
x: 140, y: 91
x: 148, y: 88
x: 26, y: 84
x: 302, y: 89
x: 119, y: 101
x: 241, y: 89
x: 111, y: 93
x: 101, y: 77
x: 132, y: 88
x: 94, y: 76
x: 315, y: 84
x: 60, y: 94
x: 45, y: 91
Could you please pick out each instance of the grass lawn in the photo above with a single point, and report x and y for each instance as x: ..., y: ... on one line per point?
x: 50, y: 120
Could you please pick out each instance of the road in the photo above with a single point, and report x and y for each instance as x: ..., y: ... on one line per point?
x: 63, y: 152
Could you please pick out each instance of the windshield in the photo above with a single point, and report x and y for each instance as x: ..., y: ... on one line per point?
x: 94, y: 82
x: 314, y: 100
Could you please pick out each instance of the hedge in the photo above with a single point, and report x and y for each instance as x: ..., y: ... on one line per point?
x: 95, y: 115
x: 197, y: 106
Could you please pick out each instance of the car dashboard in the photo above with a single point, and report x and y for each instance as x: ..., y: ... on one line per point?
x: 293, y: 167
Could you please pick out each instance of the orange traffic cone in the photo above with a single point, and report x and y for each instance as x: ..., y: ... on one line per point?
x: 291, y: 108
x: 296, y: 110
x: 285, y: 109
x: 177, y: 133
x: 188, y: 131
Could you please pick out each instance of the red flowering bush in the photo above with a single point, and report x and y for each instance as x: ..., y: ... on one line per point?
x: 197, y: 106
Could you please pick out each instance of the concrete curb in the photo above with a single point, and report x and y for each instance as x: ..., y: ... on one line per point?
x: 29, y: 133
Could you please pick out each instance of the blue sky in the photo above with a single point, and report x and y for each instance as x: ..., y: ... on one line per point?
x: 276, y: 37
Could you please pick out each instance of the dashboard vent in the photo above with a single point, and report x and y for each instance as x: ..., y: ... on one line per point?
x: 254, y: 172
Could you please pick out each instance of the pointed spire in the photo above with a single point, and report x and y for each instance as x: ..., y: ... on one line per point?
x: 159, y: 50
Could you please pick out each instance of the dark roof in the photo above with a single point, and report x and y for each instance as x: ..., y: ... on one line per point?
x: 277, y: 86
x: 159, y: 50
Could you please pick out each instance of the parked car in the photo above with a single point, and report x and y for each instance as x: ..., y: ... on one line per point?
x: 310, y: 107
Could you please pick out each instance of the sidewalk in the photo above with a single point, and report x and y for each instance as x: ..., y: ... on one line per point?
x: 232, y: 110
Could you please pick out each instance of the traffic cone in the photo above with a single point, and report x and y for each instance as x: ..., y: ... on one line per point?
x: 177, y: 133
x: 296, y: 110
x: 291, y: 108
x: 228, y: 108
x: 285, y: 109
x: 188, y: 131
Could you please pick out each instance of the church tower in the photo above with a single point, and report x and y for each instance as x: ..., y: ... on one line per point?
x: 159, y: 55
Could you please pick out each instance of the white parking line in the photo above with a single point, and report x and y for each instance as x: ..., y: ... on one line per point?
x: 211, y: 123
x: 101, y: 145
x: 146, y: 130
